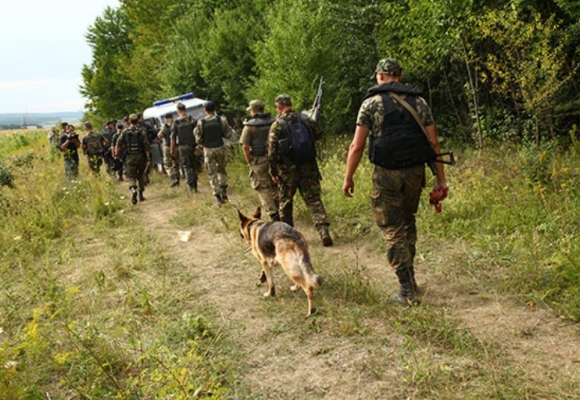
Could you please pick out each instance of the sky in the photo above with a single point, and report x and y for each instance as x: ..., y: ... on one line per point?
x: 42, y: 52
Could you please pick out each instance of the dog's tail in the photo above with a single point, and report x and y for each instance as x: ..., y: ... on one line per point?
x: 314, y: 280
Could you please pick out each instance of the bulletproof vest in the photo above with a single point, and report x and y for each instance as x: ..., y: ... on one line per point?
x: 134, y: 141
x: 212, y: 133
x: 108, y: 134
x: 402, y: 143
x: 185, y: 127
x: 259, y: 144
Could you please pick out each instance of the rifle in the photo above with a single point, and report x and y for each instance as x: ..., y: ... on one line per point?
x: 315, y: 110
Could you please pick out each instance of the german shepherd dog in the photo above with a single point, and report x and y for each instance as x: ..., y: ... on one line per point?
x: 277, y: 243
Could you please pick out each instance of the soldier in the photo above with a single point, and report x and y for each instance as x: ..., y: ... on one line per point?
x: 296, y: 171
x: 94, y: 145
x: 399, y: 149
x: 170, y: 162
x: 69, y: 145
x: 254, y: 140
x: 117, y: 157
x: 183, y: 140
x: 134, y: 143
x: 209, y: 133
x: 107, y: 133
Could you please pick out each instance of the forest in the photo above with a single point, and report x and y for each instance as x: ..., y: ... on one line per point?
x: 492, y: 71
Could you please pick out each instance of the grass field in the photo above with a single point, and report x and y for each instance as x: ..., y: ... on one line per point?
x: 100, y: 300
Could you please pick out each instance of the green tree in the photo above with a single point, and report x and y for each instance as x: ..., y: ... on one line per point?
x: 105, y: 84
x: 526, y: 62
x: 310, y: 39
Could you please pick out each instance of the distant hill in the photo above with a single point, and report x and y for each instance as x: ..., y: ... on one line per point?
x: 17, y: 120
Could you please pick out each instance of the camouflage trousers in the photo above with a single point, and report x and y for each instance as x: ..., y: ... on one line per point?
x: 135, y: 170
x: 95, y: 162
x: 215, y: 166
x: 170, y: 163
x: 187, y: 159
x: 71, y: 167
x: 306, y: 179
x: 262, y: 183
x: 395, y: 199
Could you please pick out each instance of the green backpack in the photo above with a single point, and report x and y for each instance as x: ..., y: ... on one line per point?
x: 94, y: 143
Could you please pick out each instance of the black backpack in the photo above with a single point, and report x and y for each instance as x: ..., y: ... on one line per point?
x: 299, y: 145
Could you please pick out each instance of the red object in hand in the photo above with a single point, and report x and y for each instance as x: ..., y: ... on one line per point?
x: 436, y: 196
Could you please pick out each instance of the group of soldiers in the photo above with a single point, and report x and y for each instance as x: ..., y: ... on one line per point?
x: 394, y: 119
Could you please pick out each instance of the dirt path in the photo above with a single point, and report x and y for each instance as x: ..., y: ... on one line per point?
x: 350, y: 355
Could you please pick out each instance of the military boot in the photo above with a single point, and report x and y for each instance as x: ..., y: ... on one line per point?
x: 416, y: 289
x: 141, y: 198
x: 219, y: 200
x: 134, y: 194
x: 174, y: 182
x: 325, y: 236
x: 224, y: 194
x: 406, y: 296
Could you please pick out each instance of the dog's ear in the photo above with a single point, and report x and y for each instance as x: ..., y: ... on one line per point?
x: 243, y: 218
x: 258, y: 213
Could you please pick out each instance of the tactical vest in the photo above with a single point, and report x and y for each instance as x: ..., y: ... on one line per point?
x: 185, y: 131
x: 259, y: 144
x: 134, y: 141
x: 402, y: 143
x: 212, y: 133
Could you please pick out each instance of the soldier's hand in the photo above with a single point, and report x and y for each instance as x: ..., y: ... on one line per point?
x: 348, y: 187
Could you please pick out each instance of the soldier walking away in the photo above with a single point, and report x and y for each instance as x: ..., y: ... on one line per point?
x: 69, y: 145
x: 117, y: 157
x: 399, y: 149
x: 182, y: 146
x: 170, y: 162
x: 53, y: 139
x: 137, y: 149
x: 94, y: 145
x: 254, y: 140
x: 209, y: 133
x: 107, y: 132
x: 292, y: 164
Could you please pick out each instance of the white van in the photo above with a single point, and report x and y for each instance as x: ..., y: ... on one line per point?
x: 155, y: 118
x: 155, y: 115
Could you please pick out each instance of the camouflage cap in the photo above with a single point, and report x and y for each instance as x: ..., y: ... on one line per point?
x: 134, y: 118
x: 255, y: 105
x: 181, y: 106
x: 283, y: 100
x: 389, y: 66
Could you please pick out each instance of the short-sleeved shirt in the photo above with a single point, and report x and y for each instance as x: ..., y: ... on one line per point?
x: 372, y: 113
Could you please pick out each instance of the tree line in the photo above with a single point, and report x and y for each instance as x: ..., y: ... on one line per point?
x: 491, y: 70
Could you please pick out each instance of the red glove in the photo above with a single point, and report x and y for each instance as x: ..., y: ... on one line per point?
x: 436, y: 196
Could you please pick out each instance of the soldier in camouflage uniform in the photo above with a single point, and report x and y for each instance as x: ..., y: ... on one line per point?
x: 170, y: 163
x: 94, y: 144
x: 209, y: 133
x: 254, y: 140
x: 133, y: 142
x: 183, y: 140
x: 397, y: 183
x: 107, y: 132
x: 291, y: 177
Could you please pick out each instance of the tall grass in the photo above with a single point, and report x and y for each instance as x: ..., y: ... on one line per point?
x: 78, y: 314
x: 92, y: 307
